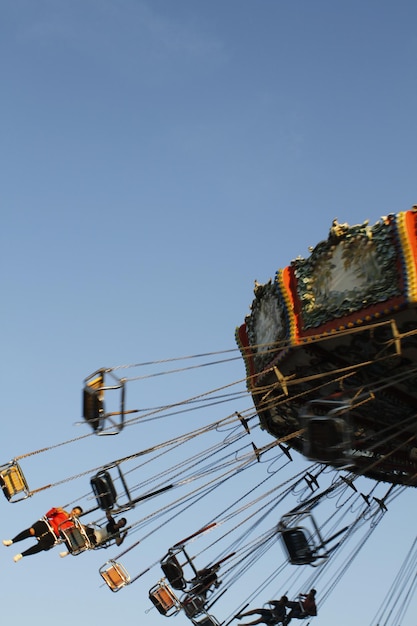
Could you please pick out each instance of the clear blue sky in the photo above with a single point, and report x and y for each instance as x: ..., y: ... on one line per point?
x: 157, y: 157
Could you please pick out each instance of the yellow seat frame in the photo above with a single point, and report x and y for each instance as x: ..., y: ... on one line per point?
x: 13, y: 482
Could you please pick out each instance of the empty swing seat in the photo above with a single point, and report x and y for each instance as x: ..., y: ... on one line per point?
x: 328, y: 432
x: 327, y: 439
x: 164, y: 599
x: 13, y: 482
x: 93, y: 405
x: 104, y: 490
x: 193, y: 605
x: 297, y: 546
x: 173, y: 572
x: 114, y: 575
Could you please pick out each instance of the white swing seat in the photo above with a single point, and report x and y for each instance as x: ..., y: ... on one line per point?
x: 75, y: 537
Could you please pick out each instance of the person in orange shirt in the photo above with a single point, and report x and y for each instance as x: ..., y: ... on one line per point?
x: 45, y: 530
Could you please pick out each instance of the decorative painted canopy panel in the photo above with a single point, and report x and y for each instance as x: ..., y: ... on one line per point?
x: 343, y: 321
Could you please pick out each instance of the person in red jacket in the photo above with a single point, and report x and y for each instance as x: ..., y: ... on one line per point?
x: 45, y: 530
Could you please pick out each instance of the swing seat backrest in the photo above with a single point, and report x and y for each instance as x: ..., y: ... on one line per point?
x: 173, y: 572
x: 193, y: 605
x: 75, y: 537
x: 104, y: 490
x: 93, y: 405
x: 164, y: 599
x: 114, y: 575
x: 328, y: 432
x: 297, y: 546
x: 204, y: 581
x: 13, y: 482
x: 94, y: 409
x: 328, y: 439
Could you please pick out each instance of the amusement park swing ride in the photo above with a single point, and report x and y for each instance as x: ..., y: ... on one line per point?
x: 330, y: 354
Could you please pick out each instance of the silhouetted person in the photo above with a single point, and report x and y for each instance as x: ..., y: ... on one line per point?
x: 271, y: 616
x: 302, y: 608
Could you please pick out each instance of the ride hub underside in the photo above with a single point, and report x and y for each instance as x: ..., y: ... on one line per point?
x: 330, y: 348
